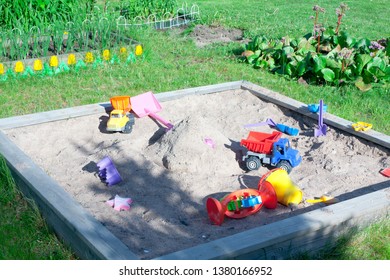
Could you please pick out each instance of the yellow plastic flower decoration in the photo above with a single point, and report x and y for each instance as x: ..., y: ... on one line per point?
x: 88, y: 57
x: 53, y: 61
x: 138, y: 50
x: 38, y: 65
x: 1, y: 69
x: 123, y: 50
x: 106, y: 55
x: 19, y: 67
x: 71, y: 59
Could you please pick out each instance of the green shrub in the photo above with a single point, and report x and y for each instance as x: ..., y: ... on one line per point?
x: 324, y: 56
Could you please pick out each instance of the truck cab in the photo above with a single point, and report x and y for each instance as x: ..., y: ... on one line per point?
x: 121, y: 120
x: 283, y: 156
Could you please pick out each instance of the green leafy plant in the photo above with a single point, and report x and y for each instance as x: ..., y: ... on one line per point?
x: 324, y: 56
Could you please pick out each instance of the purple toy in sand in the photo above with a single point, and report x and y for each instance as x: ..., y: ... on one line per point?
x: 278, y: 126
x: 108, y: 172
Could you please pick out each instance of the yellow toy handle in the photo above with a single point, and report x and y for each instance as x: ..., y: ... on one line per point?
x: 314, y: 200
x: 325, y: 199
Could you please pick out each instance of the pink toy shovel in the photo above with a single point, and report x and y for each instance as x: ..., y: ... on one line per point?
x: 146, y: 104
x: 321, y: 131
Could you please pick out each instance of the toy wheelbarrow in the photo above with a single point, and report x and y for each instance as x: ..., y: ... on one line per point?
x: 146, y: 104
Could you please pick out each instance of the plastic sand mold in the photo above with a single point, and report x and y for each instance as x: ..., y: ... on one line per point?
x: 120, y: 203
x: 210, y: 142
x: 385, y: 172
x: 314, y: 108
x: 108, y: 172
x: 361, y: 126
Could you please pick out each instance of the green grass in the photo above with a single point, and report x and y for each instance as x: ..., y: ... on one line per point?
x: 372, y: 243
x: 369, y: 243
x: 24, y: 234
x: 171, y: 62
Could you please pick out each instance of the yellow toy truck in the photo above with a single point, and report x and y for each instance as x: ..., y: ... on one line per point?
x: 121, y: 120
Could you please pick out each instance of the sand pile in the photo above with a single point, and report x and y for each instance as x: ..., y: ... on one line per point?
x: 192, y: 143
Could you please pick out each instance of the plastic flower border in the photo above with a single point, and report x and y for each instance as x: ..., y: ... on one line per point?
x: 71, y: 63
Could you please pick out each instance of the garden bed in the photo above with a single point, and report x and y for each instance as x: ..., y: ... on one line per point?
x: 169, y: 176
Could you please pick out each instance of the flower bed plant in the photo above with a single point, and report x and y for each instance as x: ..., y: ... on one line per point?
x: 54, y: 65
x: 324, y: 56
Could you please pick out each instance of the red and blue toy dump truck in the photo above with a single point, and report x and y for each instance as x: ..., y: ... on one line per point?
x: 269, y: 149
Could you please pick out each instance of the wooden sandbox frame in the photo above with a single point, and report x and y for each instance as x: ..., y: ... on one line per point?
x: 307, y: 232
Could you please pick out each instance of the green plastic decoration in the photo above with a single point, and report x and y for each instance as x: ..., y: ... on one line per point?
x: 131, y: 58
x: 98, y: 61
x: 80, y: 64
x: 28, y: 72
x: 63, y: 67
x: 47, y: 70
x: 115, y: 59
x: 10, y: 73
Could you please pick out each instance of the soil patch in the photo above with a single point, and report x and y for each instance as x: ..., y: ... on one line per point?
x: 205, y: 35
x: 169, y: 175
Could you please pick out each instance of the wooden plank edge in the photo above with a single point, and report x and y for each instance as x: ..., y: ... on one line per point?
x: 172, y: 95
x: 80, y: 230
x: 85, y: 110
x: 282, y: 239
x: 292, y: 104
x: 54, y: 115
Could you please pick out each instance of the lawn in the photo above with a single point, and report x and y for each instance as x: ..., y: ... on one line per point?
x: 172, y: 61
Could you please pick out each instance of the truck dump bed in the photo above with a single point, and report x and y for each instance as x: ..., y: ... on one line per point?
x: 260, y: 142
x: 121, y: 103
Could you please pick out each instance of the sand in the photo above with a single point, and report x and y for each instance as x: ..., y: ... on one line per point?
x: 170, y: 174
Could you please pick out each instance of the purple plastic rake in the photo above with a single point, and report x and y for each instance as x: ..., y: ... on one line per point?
x: 269, y: 122
x: 281, y: 127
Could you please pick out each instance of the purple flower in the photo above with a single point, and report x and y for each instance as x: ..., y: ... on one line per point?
x: 345, y: 53
x: 317, y: 8
x: 376, y: 46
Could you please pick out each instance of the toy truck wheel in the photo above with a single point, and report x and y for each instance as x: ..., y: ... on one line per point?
x: 128, y: 128
x: 129, y: 125
x: 253, y: 163
x: 285, y: 165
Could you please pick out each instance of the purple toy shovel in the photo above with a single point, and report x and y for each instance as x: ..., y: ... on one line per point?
x: 321, y: 131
